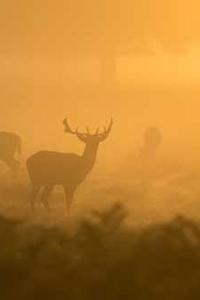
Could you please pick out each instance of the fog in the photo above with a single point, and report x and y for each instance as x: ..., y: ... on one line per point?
x: 131, y: 229
x: 51, y: 67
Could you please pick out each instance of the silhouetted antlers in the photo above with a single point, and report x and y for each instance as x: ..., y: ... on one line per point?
x: 67, y: 127
x: 83, y: 135
x: 102, y: 136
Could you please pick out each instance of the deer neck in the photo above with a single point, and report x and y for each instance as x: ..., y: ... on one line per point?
x: 89, y: 158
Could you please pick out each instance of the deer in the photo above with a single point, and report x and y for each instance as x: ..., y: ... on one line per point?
x: 49, y: 168
x: 10, y: 145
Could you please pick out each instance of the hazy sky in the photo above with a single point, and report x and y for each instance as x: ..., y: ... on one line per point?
x: 56, y: 40
x: 50, y: 28
x: 49, y: 46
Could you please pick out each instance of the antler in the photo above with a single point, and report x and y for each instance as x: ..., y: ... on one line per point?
x: 80, y: 135
x: 69, y: 130
x: 83, y: 136
x: 102, y: 136
x: 67, y: 127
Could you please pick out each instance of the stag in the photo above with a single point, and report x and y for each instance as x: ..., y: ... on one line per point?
x: 48, y: 168
x: 10, y: 145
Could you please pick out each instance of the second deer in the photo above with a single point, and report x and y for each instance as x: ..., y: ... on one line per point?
x: 48, y: 168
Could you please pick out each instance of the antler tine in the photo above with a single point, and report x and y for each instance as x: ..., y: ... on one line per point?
x: 106, y: 132
x: 110, y: 125
x: 67, y: 127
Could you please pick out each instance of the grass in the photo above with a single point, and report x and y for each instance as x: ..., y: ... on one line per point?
x: 102, y: 259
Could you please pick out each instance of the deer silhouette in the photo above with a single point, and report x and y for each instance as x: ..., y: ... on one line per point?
x: 48, y: 168
x: 152, y: 141
x: 10, y: 145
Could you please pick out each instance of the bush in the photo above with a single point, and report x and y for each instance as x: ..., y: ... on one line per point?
x: 103, y: 260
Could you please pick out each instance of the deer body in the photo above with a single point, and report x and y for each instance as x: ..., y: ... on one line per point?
x: 47, y: 168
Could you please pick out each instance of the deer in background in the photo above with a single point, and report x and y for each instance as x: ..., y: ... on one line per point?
x: 48, y: 168
x: 10, y: 145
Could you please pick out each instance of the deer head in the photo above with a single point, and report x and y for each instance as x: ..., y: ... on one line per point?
x: 87, y: 137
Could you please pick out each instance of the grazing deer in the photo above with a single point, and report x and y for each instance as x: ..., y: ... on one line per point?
x: 10, y: 144
x: 47, y: 168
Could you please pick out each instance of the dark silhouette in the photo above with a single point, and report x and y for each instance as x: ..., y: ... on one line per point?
x: 103, y: 259
x: 152, y: 140
x: 47, y: 168
x: 10, y: 145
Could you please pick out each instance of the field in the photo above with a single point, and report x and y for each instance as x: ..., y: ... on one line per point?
x: 132, y: 234
x: 149, y: 194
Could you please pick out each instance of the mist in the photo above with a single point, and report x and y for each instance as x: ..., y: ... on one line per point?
x: 52, y: 55
x: 106, y: 203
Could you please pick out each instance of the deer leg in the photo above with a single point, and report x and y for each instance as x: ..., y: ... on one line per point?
x: 44, y: 198
x: 34, y: 193
x: 69, y: 194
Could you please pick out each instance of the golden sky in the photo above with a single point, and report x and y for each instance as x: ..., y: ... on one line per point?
x: 53, y: 40
x: 48, y: 47
x: 42, y: 27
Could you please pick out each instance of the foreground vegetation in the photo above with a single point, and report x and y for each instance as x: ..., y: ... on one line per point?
x: 103, y: 259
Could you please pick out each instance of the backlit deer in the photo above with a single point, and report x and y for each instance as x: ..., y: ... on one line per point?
x: 152, y: 141
x: 47, y: 168
x: 10, y: 145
